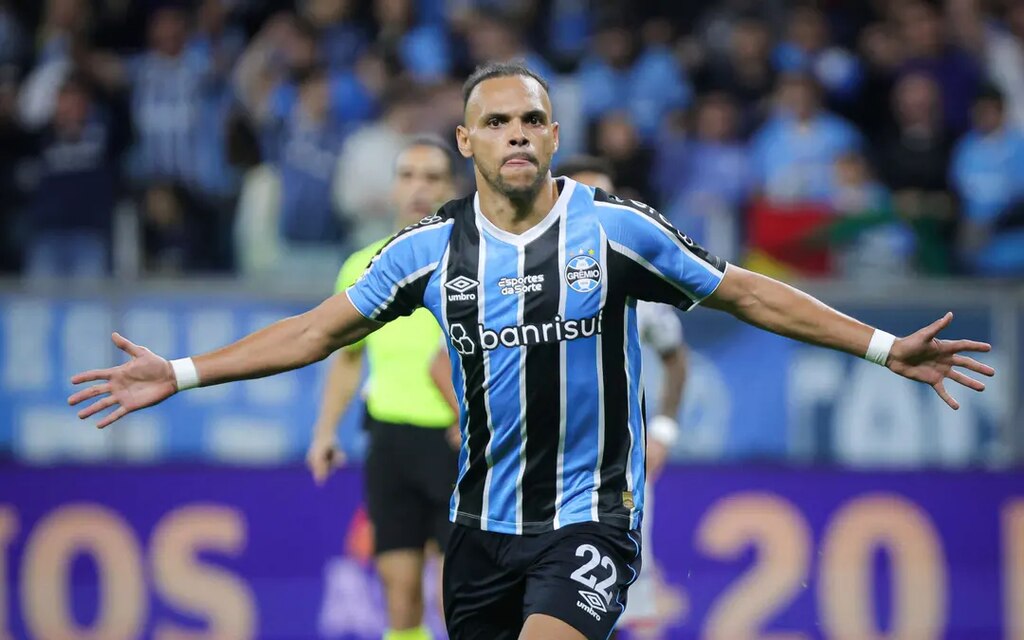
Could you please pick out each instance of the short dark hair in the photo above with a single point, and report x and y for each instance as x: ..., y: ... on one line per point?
x: 505, y: 69
x: 585, y: 164
x: 990, y: 92
x: 436, y: 142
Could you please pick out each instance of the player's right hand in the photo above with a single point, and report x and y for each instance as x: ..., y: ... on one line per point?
x: 143, y: 381
x: 323, y: 457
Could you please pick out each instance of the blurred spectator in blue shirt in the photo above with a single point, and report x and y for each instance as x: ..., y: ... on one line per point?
x: 988, y: 173
x: 568, y: 29
x: 708, y: 181
x: 622, y: 76
x: 221, y: 43
x: 956, y: 72
x: 794, y: 152
x: 311, y: 143
x: 807, y: 47
x: 168, y: 84
x: 285, y: 49
x: 341, y: 39
x: 421, y: 48
x: 71, y: 208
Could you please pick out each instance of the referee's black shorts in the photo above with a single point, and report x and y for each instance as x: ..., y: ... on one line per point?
x: 579, y: 574
x: 410, y: 473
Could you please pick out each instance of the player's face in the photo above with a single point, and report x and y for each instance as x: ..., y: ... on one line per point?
x: 509, y: 134
x: 594, y: 179
x: 423, y: 182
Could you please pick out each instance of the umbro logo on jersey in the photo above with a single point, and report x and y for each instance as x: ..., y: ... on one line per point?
x: 460, y: 289
x: 430, y: 219
x: 591, y: 603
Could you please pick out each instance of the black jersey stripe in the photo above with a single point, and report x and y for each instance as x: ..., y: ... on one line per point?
x: 615, y: 456
x: 543, y: 386
x: 463, y: 261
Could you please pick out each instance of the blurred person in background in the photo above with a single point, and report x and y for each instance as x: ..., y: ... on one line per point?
x: 928, y: 50
x: 496, y: 34
x: 172, y: 236
x: 912, y: 158
x: 660, y: 329
x: 421, y: 48
x: 268, y: 72
x: 15, y: 146
x: 306, y: 160
x: 744, y: 71
x: 619, y: 142
x: 622, y: 74
x: 341, y: 38
x: 70, y: 211
x: 988, y: 175
x: 872, y: 243
x: 997, y: 44
x: 794, y: 152
x: 411, y: 462
x: 808, y: 48
x: 61, y: 35
x: 705, y: 184
x: 363, y: 192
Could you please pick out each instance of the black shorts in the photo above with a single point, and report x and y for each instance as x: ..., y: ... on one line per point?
x: 410, y: 474
x: 578, y: 574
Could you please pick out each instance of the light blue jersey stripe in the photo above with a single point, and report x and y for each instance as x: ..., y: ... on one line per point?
x: 503, y: 391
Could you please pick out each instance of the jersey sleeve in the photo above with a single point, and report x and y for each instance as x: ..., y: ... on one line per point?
x: 392, y: 285
x: 664, y: 264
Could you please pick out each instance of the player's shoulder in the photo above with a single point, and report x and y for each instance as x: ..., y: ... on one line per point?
x: 626, y: 214
x: 433, y: 230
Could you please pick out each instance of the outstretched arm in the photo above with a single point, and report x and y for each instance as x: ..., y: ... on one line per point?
x: 779, y: 308
x: 295, y: 342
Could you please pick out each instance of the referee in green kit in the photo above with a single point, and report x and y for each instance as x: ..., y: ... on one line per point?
x: 412, y: 461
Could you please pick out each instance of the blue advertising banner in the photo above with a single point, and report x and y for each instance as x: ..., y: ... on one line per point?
x: 750, y: 394
x: 157, y: 552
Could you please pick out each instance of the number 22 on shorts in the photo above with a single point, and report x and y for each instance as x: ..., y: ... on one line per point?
x: 584, y: 575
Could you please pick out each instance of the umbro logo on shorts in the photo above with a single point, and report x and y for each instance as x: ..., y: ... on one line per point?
x: 593, y: 604
x: 460, y: 289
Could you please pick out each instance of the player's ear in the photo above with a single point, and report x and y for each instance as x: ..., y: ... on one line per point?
x: 554, y: 133
x: 462, y: 139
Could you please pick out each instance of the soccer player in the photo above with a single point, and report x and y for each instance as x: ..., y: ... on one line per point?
x: 659, y: 328
x: 534, y: 282
x: 411, y: 465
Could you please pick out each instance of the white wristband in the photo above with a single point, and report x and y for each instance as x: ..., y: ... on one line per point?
x: 185, y: 373
x: 878, y: 349
x: 665, y: 430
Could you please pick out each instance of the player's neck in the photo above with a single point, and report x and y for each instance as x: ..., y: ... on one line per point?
x: 517, y: 216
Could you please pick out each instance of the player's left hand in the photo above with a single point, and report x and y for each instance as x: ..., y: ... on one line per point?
x: 143, y: 381
x: 923, y: 357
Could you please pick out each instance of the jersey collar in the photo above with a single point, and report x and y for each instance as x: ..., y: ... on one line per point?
x: 534, y: 232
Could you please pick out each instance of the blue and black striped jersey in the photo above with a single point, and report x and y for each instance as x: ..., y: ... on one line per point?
x: 542, y: 334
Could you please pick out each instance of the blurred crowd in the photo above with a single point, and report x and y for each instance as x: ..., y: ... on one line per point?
x: 855, y: 138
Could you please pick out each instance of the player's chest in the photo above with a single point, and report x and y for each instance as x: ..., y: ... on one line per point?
x: 553, y: 288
